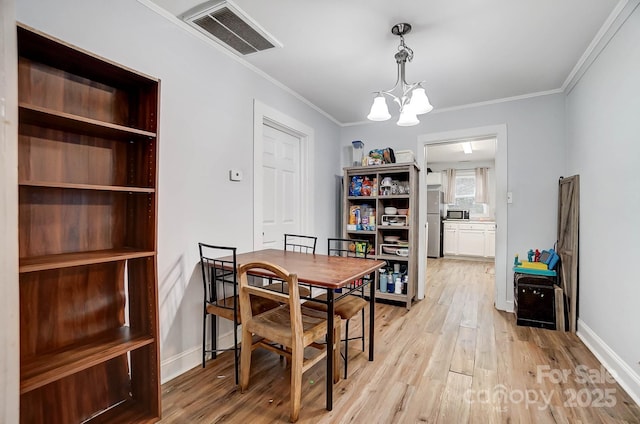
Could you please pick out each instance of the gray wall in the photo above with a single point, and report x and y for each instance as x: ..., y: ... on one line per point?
x: 603, y: 139
x: 535, y: 160
x: 206, y: 128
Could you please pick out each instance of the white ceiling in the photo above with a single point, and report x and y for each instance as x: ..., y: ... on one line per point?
x: 336, y: 53
x: 481, y: 151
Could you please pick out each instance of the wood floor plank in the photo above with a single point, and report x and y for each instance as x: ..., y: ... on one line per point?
x: 483, y: 406
x: 485, y: 355
x: 463, y: 358
x: 452, y: 358
x: 471, y: 304
x: 453, y: 407
x: 424, y: 402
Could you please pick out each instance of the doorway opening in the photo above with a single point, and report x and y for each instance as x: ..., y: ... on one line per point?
x: 503, y: 296
x: 461, y: 203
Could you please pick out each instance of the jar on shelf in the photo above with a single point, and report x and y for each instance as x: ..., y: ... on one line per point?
x: 358, y: 150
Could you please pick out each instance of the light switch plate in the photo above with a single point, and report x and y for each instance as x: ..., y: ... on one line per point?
x: 235, y: 175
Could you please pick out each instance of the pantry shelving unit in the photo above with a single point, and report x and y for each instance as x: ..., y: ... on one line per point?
x: 404, y: 173
x: 87, y: 175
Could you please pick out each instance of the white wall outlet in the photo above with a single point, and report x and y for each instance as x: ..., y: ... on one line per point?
x: 509, y: 197
x: 235, y: 175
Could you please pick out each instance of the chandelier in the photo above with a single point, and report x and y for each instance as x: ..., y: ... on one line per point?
x: 412, y: 98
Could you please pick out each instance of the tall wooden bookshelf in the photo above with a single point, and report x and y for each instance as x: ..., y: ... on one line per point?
x: 404, y: 226
x: 87, y: 174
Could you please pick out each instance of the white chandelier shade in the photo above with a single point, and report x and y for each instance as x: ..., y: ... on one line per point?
x: 379, y: 109
x: 419, y: 101
x: 412, y: 98
x: 407, y: 117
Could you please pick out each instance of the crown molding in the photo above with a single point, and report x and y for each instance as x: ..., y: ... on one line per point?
x: 611, y: 26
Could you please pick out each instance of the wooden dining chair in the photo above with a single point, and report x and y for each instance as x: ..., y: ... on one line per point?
x: 285, y: 330
x: 219, y: 278
x: 348, y: 306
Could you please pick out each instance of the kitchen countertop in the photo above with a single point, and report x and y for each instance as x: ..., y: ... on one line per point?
x: 469, y: 221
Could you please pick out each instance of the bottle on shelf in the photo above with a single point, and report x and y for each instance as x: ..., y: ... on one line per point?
x: 398, y: 285
x: 383, y: 280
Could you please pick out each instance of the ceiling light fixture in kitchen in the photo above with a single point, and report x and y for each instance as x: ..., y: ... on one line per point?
x: 412, y: 99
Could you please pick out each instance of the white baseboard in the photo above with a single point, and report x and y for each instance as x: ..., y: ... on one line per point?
x: 509, y: 306
x: 505, y: 305
x: 623, y: 373
x: 178, y: 364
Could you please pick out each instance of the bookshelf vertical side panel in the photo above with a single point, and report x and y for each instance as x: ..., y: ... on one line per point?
x: 145, y: 114
x: 141, y: 221
x: 141, y: 165
x: 143, y: 316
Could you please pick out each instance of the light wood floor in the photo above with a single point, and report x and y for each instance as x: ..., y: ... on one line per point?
x: 453, y: 358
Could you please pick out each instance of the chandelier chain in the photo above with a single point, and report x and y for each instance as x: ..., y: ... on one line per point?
x: 403, y: 47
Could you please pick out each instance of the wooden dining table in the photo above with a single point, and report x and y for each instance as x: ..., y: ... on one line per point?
x: 329, y: 273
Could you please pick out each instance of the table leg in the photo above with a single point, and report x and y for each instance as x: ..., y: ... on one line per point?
x: 330, y: 342
x: 372, y: 313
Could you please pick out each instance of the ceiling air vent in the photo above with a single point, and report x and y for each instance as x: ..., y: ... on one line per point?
x: 227, y: 24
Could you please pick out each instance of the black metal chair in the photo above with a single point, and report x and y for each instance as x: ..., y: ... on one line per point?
x: 348, y: 306
x: 219, y: 278
x: 296, y: 243
x: 300, y: 243
x: 220, y: 296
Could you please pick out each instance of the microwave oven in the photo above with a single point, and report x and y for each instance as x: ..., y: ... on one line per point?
x: 457, y: 214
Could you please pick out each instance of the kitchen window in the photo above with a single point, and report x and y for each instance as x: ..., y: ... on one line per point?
x: 466, y: 192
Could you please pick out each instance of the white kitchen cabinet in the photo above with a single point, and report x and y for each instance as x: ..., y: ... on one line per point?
x: 470, y: 239
x: 450, y: 239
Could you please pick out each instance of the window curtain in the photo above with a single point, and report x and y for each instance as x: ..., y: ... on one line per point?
x: 450, y: 194
x: 482, y: 185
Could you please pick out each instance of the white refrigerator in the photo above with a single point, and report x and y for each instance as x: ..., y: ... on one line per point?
x: 435, y: 207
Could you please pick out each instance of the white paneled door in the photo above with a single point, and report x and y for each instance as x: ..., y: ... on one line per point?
x: 281, y: 196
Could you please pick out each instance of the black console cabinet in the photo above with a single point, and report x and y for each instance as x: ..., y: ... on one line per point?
x: 534, y: 300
